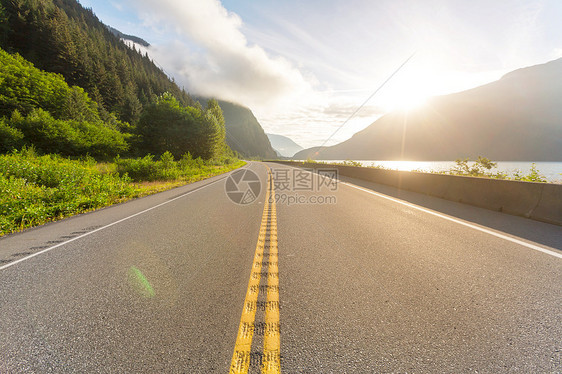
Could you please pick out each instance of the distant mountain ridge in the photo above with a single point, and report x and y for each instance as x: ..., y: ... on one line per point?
x: 517, y: 118
x: 283, y: 145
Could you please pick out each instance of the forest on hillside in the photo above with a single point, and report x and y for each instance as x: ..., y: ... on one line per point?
x: 40, y: 109
x: 60, y: 36
x: 58, y: 157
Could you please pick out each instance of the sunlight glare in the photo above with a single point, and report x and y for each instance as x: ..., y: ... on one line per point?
x: 409, y: 91
x: 412, y: 87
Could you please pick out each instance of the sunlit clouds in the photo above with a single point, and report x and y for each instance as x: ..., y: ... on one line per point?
x: 211, y: 56
x: 304, y: 66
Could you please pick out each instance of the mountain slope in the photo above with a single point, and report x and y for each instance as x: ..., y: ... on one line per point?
x: 244, y: 133
x: 517, y: 118
x: 61, y: 36
x: 285, y: 146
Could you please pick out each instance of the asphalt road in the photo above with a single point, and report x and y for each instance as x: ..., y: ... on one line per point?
x: 371, y: 280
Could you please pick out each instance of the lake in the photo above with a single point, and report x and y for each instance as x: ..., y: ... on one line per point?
x: 552, y: 171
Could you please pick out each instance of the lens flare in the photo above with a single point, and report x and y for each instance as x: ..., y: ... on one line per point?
x: 139, y: 282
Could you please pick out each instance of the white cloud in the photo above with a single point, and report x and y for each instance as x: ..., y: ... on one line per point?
x: 211, y: 56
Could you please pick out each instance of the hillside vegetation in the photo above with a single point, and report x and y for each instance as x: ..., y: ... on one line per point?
x: 60, y: 36
x: 36, y: 189
x: 41, y: 109
x: 61, y: 153
x: 43, y: 120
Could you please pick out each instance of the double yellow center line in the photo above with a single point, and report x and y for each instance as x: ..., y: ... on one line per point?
x: 271, y: 357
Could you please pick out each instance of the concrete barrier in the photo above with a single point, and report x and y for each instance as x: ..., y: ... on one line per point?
x: 538, y: 201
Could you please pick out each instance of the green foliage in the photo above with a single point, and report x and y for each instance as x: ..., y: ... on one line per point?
x: 482, y: 168
x: 70, y: 137
x: 10, y: 138
x: 44, y: 111
x: 215, y: 129
x: 351, y: 163
x: 167, y: 126
x: 533, y: 176
x: 24, y: 88
x: 62, y: 37
x: 4, y: 25
x: 35, y: 189
x: 139, y: 169
x: 479, y: 168
x: 147, y: 169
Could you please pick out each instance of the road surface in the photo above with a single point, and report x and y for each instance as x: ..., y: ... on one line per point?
x: 367, y: 279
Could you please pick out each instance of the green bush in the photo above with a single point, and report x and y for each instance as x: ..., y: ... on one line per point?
x: 533, y: 176
x: 138, y: 169
x: 482, y: 167
x: 10, y: 138
x: 36, y: 189
x: 41, y: 109
x: 25, y: 88
x: 147, y: 169
x: 67, y: 137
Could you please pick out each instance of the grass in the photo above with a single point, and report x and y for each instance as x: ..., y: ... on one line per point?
x: 38, y: 189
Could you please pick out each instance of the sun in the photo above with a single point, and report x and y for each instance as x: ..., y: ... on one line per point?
x: 410, y: 100
x: 410, y: 89
x: 407, y: 94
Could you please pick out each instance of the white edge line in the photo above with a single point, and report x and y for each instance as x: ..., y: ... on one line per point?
x: 475, y: 227
x: 106, y: 226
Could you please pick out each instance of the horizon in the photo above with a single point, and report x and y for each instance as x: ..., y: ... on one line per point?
x: 304, y: 68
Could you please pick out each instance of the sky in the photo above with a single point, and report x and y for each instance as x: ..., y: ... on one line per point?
x: 304, y: 66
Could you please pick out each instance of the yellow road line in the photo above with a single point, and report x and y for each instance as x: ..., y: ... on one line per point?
x: 271, y: 363
x: 271, y: 359
x: 240, y: 363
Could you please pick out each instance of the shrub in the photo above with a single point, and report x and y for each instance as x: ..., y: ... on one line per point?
x: 138, y: 169
x: 10, y: 137
x: 533, y: 176
x: 68, y: 137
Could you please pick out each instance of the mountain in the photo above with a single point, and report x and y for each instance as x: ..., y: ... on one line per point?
x: 132, y: 38
x: 61, y: 36
x: 283, y: 145
x: 244, y: 133
x: 517, y: 118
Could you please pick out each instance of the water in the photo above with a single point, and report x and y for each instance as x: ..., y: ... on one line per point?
x: 552, y: 171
